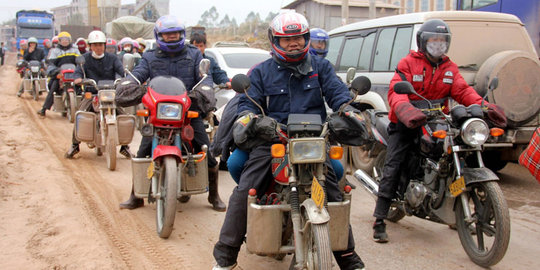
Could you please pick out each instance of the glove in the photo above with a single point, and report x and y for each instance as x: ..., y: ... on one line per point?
x: 348, y: 108
x: 495, y: 115
x: 409, y: 115
x: 129, y: 93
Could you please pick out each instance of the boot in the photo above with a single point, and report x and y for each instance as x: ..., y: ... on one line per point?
x: 184, y: 198
x: 41, y: 112
x: 213, y: 195
x: 73, y: 150
x: 133, y: 202
x: 379, y: 231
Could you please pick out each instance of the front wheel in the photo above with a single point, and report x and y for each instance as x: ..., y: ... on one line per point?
x: 35, y: 90
x: 71, y: 106
x: 166, y: 203
x: 485, y: 238
x: 111, y: 147
x: 317, y: 250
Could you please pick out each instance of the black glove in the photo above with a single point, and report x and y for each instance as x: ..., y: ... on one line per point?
x: 348, y: 108
x: 409, y: 115
x: 129, y: 93
x: 496, y: 116
x: 251, y: 130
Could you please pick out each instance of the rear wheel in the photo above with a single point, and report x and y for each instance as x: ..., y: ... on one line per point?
x: 166, y: 203
x: 485, y: 238
x: 111, y: 147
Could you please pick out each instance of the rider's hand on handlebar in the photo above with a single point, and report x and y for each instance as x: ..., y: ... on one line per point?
x: 496, y: 116
x: 409, y: 115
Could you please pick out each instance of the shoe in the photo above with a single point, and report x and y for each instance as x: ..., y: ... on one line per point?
x: 379, y: 232
x: 124, y: 150
x: 184, y: 198
x: 217, y: 267
x: 73, y: 150
x: 41, y: 112
x: 132, y: 203
x: 19, y: 94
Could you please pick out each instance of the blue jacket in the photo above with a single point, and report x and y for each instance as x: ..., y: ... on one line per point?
x: 218, y: 75
x: 280, y: 93
x: 183, y: 65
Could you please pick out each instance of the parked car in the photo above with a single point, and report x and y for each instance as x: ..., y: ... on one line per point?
x: 484, y: 45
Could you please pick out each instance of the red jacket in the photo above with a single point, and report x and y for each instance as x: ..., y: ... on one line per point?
x: 431, y: 82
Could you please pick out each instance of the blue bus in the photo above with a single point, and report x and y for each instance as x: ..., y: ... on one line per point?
x: 528, y: 11
x: 34, y: 23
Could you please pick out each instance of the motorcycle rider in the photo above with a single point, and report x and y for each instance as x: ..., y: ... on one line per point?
x: 99, y: 65
x: 434, y: 76
x: 173, y: 57
x: 81, y: 45
x: 218, y: 75
x: 47, y: 44
x: 32, y: 53
x: 292, y: 81
x: 23, y: 45
x: 142, y: 45
x: 110, y: 46
x: 64, y: 53
x: 319, y: 42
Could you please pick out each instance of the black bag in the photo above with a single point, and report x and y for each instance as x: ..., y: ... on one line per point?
x: 129, y: 93
x: 251, y: 130
x: 348, y: 131
x: 203, y: 99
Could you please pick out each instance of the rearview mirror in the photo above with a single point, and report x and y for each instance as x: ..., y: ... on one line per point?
x: 350, y: 74
x: 493, y: 84
x: 240, y: 83
x: 204, y: 66
x: 404, y: 87
x: 129, y: 61
x: 360, y: 85
x: 80, y: 60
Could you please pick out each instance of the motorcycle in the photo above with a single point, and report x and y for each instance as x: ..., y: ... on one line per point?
x: 128, y: 61
x: 33, y: 79
x: 67, y: 102
x: 444, y: 179
x: 173, y: 170
x: 294, y: 216
x: 110, y: 129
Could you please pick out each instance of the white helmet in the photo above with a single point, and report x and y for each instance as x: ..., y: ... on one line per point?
x: 97, y: 37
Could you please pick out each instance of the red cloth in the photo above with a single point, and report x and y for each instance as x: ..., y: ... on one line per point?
x: 530, y: 158
x: 430, y: 82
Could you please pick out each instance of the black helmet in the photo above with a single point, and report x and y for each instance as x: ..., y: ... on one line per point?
x: 431, y: 28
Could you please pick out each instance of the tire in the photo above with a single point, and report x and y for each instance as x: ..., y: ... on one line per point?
x: 166, y: 203
x: 110, y: 147
x: 71, y: 106
x: 394, y: 214
x: 317, y: 250
x: 361, y: 159
x: 99, y: 151
x: 35, y: 90
x: 497, y: 228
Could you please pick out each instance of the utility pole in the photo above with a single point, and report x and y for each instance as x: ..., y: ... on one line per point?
x: 344, y: 12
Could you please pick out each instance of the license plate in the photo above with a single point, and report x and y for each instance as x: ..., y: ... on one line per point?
x: 457, y: 187
x: 150, y: 171
x: 317, y: 193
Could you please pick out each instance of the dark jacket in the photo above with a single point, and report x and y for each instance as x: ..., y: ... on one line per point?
x: 280, y: 93
x: 183, y: 65
x: 432, y: 82
x: 218, y: 75
x: 106, y: 68
x: 37, y: 55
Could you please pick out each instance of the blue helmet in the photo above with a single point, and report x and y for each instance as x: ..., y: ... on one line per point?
x: 319, y: 42
x: 168, y: 24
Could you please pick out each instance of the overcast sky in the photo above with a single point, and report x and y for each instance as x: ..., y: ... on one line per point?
x: 188, y: 11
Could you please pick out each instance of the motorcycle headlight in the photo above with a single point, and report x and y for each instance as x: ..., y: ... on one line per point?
x: 35, y: 69
x: 307, y: 150
x: 475, y: 132
x: 106, y: 96
x: 169, y: 111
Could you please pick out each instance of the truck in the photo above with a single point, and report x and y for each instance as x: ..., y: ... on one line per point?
x: 34, y: 23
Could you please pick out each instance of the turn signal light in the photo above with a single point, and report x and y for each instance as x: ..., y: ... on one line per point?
x: 496, y: 132
x: 88, y: 95
x: 59, y: 76
x: 142, y: 113
x: 440, y: 134
x: 192, y: 114
x: 336, y: 152
x: 278, y: 150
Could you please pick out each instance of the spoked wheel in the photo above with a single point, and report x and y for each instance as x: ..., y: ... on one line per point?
x: 166, y: 202
x: 485, y: 238
x: 71, y: 106
x: 35, y: 90
x: 317, y: 250
x: 110, y: 147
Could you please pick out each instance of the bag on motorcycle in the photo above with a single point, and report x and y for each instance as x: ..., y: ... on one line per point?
x: 251, y: 130
x: 129, y: 93
x: 203, y: 99
x: 347, y: 131
x: 530, y: 158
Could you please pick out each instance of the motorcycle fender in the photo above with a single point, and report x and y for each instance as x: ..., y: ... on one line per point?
x: 166, y: 150
x: 477, y: 175
x: 316, y: 215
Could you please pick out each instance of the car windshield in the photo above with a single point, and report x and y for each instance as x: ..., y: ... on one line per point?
x: 244, y: 60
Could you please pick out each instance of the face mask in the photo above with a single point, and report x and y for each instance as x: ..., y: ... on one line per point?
x: 127, y: 49
x: 97, y: 56
x: 436, y: 48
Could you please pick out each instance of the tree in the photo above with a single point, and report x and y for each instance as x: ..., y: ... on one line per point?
x: 209, y: 18
x: 225, y: 22
x: 271, y: 15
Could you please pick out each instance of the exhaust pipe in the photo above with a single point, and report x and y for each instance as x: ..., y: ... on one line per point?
x: 367, y: 182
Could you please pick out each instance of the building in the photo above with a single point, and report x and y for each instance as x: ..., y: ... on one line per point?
x: 410, y: 6
x: 327, y: 14
x: 62, y: 15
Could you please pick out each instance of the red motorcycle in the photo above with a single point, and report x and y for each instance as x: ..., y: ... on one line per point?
x: 174, y: 169
x: 68, y: 101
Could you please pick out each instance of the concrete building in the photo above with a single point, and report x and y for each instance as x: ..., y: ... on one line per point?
x: 410, y: 6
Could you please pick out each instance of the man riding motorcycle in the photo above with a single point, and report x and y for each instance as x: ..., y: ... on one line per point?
x: 32, y: 53
x: 319, y: 42
x: 291, y: 82
x: 434, y: 76
x: 99, y: 65
x: 173, y: 57
x: 63, y: 53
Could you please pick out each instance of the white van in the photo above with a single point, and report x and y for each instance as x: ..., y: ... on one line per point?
x: 484, y: 45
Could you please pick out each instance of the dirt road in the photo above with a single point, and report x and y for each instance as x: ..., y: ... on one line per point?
x: 63, y: 214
